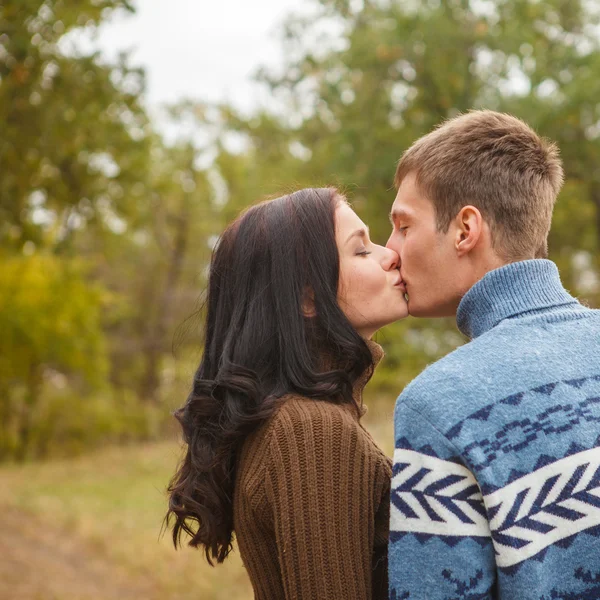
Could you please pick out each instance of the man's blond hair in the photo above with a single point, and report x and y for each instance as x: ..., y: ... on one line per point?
x: 497, y: 163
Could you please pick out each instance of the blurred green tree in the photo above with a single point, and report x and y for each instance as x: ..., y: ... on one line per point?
x: 73, y: 129
x: 157, y: 269
x: 50, y: 319
x: 84, y: 174
x: 364, y: 78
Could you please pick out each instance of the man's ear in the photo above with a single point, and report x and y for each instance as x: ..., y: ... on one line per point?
x: 469, y: 228
x: 308, y: 303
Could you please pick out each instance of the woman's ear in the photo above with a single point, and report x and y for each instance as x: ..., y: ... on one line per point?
x: 308, y: 303
x: 469, y: 227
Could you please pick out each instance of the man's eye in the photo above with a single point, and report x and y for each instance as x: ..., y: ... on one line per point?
x: 402, y: 229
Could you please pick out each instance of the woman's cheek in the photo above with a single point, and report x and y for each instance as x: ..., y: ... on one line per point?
x: 373, y: 281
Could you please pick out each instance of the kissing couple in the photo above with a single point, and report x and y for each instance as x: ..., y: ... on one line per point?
x: 494, y: 489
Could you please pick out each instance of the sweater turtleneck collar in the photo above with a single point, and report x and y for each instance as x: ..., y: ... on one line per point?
x: 328, y: 363
x: 377, y: 354
x: 514, y: 289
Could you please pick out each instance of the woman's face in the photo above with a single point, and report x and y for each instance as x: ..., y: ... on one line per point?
x: 371, y: 290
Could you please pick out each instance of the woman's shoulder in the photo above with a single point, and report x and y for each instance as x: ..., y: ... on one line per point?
x: 294, y: 420
x: 295, y: 411
x: 314, y: 435
x: 304, y: 423
x: 319, y: 436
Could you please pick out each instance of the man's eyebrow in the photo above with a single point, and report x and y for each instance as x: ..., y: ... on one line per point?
x: 399, y: 213
x: 358, y: 233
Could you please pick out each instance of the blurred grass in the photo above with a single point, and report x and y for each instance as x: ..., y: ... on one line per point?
x: 114, y: 501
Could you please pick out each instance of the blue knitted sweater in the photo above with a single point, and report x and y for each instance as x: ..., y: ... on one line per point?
x: 496, y: 477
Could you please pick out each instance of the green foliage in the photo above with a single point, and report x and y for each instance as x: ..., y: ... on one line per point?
x: 73, y: 130
x: 84, y: 175
x: 349, y: 103
x: 67, y: 422
x: 355, y: 101
x: 50, y: 319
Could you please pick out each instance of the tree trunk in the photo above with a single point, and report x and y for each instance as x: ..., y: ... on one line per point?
x: 156, y: 340
x: 34, y: 386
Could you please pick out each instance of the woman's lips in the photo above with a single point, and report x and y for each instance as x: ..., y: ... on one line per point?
x: 400, y: 284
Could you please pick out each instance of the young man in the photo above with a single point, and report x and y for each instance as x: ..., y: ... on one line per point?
x: 496, y: 480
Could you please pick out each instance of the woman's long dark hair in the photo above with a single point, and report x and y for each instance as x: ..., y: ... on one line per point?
x: 260, y: 344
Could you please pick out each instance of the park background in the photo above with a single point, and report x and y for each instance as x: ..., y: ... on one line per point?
x: 118, y: 170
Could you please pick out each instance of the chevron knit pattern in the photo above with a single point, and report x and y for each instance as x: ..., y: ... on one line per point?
x: 496, y: 476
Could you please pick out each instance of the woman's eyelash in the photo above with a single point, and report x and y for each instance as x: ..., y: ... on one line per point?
x: 363, y: 253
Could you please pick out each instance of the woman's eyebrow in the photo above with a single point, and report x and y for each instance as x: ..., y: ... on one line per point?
x: 358, y: 233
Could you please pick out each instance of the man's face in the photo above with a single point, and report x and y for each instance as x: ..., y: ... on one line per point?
x: 429, y: 261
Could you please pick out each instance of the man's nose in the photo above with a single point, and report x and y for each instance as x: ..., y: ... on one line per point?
x: 390, y: 243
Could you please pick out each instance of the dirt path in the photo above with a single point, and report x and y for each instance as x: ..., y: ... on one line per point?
x: 39, y: 562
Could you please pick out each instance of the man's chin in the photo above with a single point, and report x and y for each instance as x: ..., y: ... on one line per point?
x: 416, y: 311
x: 425, y: 311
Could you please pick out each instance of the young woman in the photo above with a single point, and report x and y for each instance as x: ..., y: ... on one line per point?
x: 275, y: 449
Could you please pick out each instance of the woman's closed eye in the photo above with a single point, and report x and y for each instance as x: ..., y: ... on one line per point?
x: 362, y: 253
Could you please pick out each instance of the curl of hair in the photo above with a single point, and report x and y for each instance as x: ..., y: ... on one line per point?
x: 260, y: 346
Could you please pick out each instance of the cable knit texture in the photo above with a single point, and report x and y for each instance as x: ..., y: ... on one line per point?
x: 311, y: 511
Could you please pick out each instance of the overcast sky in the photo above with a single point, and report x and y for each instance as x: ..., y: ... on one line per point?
x: 204, y: 49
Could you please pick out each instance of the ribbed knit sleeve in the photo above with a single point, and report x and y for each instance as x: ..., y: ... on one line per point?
x: 319, y: 480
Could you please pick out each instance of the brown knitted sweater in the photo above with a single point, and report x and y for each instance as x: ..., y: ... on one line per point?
x: 311, y: 503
